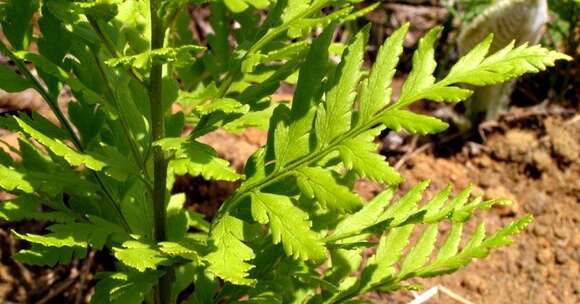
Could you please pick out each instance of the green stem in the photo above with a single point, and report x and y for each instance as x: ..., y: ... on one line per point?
x: 53, y: 105
x: 158, y: 132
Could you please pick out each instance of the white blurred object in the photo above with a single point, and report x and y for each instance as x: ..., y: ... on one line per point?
x: 510, y: 20
x: 433, y: 291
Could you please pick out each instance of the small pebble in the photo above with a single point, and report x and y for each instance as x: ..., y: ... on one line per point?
x: 473, y: 283
x: 551, y: 299
x: 545, y: 256
x: 536, y: 202
x: 561, y: 232
x: 576, y: 286
x: 540, y: 230
x: 561, y: 256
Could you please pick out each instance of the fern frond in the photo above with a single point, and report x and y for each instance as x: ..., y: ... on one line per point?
x: 185, y: 249
x: 48, y: 256
x: 12, y: 82
x: 181, y: 56
x: 125, y: 287
x: 80, y: 89
x: 225, y: 105
x: 59, y: 148
x: 359, y: 155
x: 368, y: 216
x: 303, y: 26
x: 28, y: 207
x: 387, y: 267
x: 320, y: 184
x: 238, y: 6
x: 413, y: 123
x: 508, y: 63
x: 377, y: 91
x: 94, y: 234
x: 335, y: 113
x: 228, y: 254
x: 424, y: 64
x: 139, y: 256
x: 13, y: 180
x: 194, y: 158
x: 289, y: 225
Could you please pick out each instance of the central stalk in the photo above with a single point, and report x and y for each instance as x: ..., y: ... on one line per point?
x: 158, y: 132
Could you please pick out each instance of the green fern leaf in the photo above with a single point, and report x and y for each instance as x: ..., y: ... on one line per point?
x: 364, y: 218
x: 94, y: 233
x: 139, y: 256
x: 229, y: 254
x: 473, y: 58
x: 182, y: 249
x: 506, y: 64
x: 48, y: 256
x: 401, y: 210
x: 176, y: 217
x: 287, y: 52
x: 359, y: 154
x: 445, y: 94
x: 56, y: 240
x: 389, y: 251
x: 433, y: 207
x: 293, y: 141
x: 12, y: 180
x: 377, y: 92
x: 11, y: 82
x: 421, y: 252
x: 294, y: 8
x: 502, y: 237
x: 289, y: 225
x: 319, y: 183
x: 413, y: 123
x: 194, y: 158
x: 421, y: 77
x: 335, y: 114
x: 61, y: 149
x: 28, y: 207
x: 225, y: 105
x: 125, y: 288
x: 182, y: 56
x: 197, y: 220
x: 451, y: 245
x: 45, y: 65
x: 458, y: 201
x: 238, y: 6
x: 303, y: 26
x: 463, y: 214
x: 478, y: 246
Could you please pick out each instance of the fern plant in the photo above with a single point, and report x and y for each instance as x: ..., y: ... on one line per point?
x: 294, y: 231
